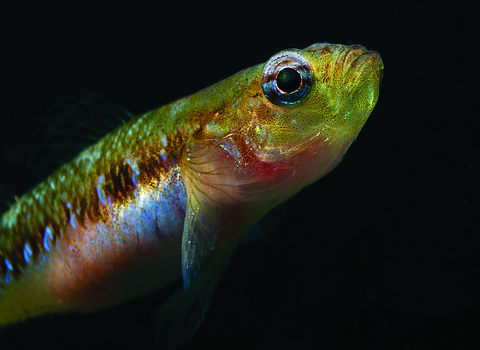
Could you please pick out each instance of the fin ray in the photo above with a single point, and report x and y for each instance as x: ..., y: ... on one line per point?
x: 180, y: 316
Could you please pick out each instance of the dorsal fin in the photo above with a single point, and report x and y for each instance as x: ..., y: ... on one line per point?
x: 74, y: 123
x: 7, y: 198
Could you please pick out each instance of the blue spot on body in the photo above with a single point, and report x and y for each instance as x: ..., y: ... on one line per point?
x: 48, y: 232
x: 101, y: 195
x: 9, y: 266
x: 45, y: 243
x: 27, y: 249
x: 72, y: 221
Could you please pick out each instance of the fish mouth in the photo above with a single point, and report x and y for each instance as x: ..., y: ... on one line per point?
x: 359, y: 71
x: 358, y: 60
x: 353, y: 58
x: 370, y: 60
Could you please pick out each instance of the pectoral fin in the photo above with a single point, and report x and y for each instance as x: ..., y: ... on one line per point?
x: 204, y: 256
x: 199, y: 235
x: 178, y: 319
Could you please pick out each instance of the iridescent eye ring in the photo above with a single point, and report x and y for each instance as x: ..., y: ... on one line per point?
x: 287, y: 78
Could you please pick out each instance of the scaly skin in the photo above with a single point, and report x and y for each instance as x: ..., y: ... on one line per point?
x: 157, y: 198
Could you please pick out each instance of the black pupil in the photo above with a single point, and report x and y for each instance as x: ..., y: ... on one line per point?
x: 289, y: 80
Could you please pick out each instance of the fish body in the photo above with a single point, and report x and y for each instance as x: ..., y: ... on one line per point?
x: 170, y: 194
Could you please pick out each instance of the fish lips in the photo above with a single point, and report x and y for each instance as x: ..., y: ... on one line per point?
x: 369, y: 62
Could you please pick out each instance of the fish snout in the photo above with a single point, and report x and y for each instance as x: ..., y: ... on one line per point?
x: 368, y: 62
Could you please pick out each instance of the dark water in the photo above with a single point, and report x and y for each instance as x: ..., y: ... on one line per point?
x: 381, y: 253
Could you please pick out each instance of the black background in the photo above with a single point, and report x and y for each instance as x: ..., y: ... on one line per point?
x: 382, y: 253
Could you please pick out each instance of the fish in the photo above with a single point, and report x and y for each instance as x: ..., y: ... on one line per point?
x: 168, y: 196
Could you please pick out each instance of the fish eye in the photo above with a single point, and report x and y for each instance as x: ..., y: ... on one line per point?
x: 287, y: 78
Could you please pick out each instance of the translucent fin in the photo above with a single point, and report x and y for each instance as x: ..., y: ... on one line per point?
x: 203, y: 261
x: 178, y: 319
x: 209, y: 241
x: 7, y: 198
x: 74, y: 123
x: 198, y: 240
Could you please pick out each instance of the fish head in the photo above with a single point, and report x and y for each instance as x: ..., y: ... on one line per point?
x: 286, y: 123
x: 314, y: 103
x: 323, y: 93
